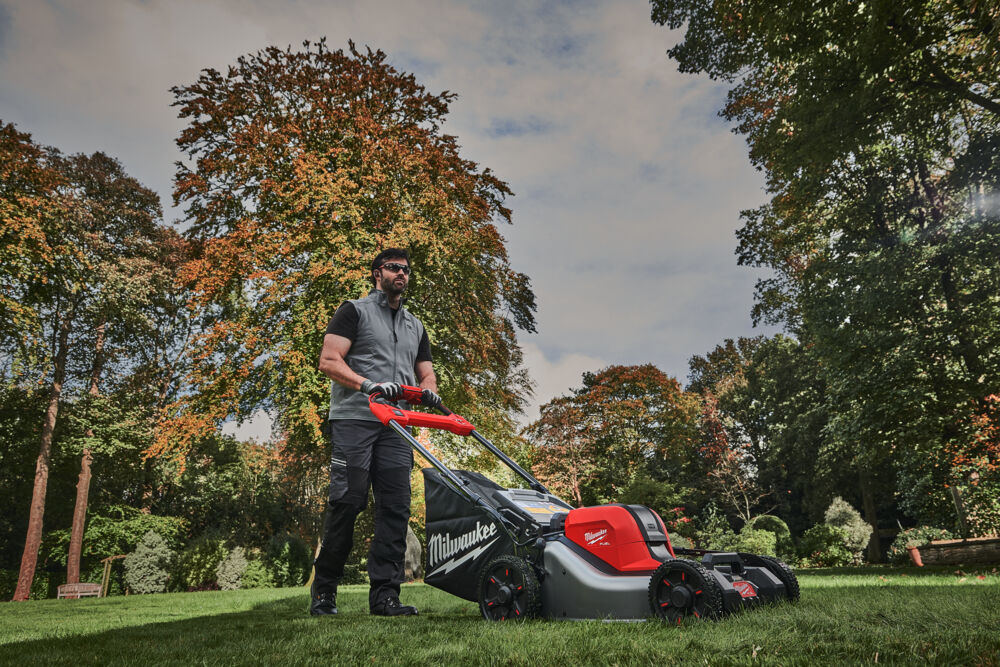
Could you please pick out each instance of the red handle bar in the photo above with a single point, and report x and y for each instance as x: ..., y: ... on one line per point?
x: 446, y: 422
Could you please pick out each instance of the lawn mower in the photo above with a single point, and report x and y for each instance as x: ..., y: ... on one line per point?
x: 523, y: 553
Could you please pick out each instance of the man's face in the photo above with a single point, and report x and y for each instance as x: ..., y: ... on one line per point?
x: 393, y: 276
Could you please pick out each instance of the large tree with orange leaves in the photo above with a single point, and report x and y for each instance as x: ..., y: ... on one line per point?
x: 302, y: 165
x: 624, y: 422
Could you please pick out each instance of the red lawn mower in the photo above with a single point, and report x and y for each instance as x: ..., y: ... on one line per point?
x: 523, y: 553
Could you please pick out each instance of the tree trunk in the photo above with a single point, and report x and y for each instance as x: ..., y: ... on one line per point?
x: 33, y: 540
x: 874, y: 550
x: 83, y: 483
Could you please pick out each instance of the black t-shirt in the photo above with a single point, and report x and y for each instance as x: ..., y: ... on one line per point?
x: 345, y: 323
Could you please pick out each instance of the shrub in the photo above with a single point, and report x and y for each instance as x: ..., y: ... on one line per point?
x: 713, y: 531
x: 982, y: 503
x: 858, y: 531
x: 760, y: 542
x: 289, y: 560
x: 667, y: 500
x: 196, y: 567
x: 824, y: 545
x: 147, y: 569
x: 229, y: 573
x: 784, y: 547
x: 914, y: 537
x: 679, y: 541
x: 257, y: 574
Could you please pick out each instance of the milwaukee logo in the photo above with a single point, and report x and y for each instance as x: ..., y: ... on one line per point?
x: 442, y: 545
x: 595, y: 536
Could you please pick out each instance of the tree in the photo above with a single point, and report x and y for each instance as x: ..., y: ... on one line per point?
x: 302, y: 165
x: 876, y: 125
x: 623, y: 420
x: 88, y: 225
x: 121, y: 221
x: 732, y: 470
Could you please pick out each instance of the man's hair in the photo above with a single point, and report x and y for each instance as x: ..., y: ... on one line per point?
x: 388, y: 253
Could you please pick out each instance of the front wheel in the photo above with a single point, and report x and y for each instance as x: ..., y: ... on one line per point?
x: 509, y: 590
x: 681, y: 588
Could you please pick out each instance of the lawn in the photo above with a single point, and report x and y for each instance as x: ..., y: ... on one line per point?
x: 870, y: 615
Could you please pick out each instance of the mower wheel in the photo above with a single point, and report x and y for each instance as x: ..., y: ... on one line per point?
x: 784, y: 575
x: 509, y: 590
x: 680, y: 588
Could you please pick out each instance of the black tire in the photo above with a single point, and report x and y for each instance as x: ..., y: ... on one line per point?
x: 681, y: 588
x: 509, y: 590
x: 784, y: 575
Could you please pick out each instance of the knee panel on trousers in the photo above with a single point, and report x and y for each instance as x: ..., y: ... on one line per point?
x: 349, y: 486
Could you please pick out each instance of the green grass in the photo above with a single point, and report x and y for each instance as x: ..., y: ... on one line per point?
x: 900, y: 615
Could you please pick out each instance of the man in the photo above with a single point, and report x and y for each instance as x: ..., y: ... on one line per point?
x: 372, y: 345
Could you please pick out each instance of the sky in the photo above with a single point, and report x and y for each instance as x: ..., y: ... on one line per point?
x: 628, y: 186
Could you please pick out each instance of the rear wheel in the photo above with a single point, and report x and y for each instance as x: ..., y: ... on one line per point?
x: 681, y: 588
x: 784, y: 575
x: 508, y: 590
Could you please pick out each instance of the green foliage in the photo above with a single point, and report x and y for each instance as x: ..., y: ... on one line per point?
x: 664, y: 498
x: 45, y: 584
x: 229, y: 573
x: 783, y: 544
x: 914, y: 537
x: 256, y: 574
x: 235, y: 489
x: 824, y: 545
x: 678, y: 541
x: 147, y: 569
x: 116, y: 530
x: 713, y: 530
x: 760, y: 542
x: 288, y: 559
x: 858, y: 531
x: 982, y: 503
x: 196, y: 567
x: 877, y: 126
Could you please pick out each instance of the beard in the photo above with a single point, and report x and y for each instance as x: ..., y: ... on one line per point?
x: 388, y: 284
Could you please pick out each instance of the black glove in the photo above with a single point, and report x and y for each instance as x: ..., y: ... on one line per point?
x: 389, y: 390
x: 430, y: 399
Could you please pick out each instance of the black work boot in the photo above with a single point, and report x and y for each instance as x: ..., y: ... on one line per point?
x: 391, y: 606
x: 322, y: 604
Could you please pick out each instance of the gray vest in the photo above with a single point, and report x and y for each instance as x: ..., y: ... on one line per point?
x: 385, y: 350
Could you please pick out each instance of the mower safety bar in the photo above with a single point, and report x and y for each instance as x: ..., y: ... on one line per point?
x: 446, y: 422
x: 449, y: 421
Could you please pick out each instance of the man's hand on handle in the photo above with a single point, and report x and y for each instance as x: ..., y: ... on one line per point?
x: 389, y: 390
x: 430, y: 399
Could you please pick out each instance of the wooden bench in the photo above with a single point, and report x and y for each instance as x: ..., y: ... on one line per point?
x: 74, y: 591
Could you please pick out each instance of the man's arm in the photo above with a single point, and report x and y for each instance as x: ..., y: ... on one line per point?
x: 332, y: 364
x: 425, y: 375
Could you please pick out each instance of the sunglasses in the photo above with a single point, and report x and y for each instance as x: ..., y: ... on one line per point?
x: 396, y: 268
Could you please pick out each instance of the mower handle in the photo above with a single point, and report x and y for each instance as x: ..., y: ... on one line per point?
x: 448, y: 421
x: 396, y: 418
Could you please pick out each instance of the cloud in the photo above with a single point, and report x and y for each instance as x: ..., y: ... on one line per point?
x: 554, y: 375
x: 257, y: 428
x: 628, y: 184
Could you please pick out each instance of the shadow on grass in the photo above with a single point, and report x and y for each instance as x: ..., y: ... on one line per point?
x: 910, y: 571
x: 276, y: 631
x: 945, y: 623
